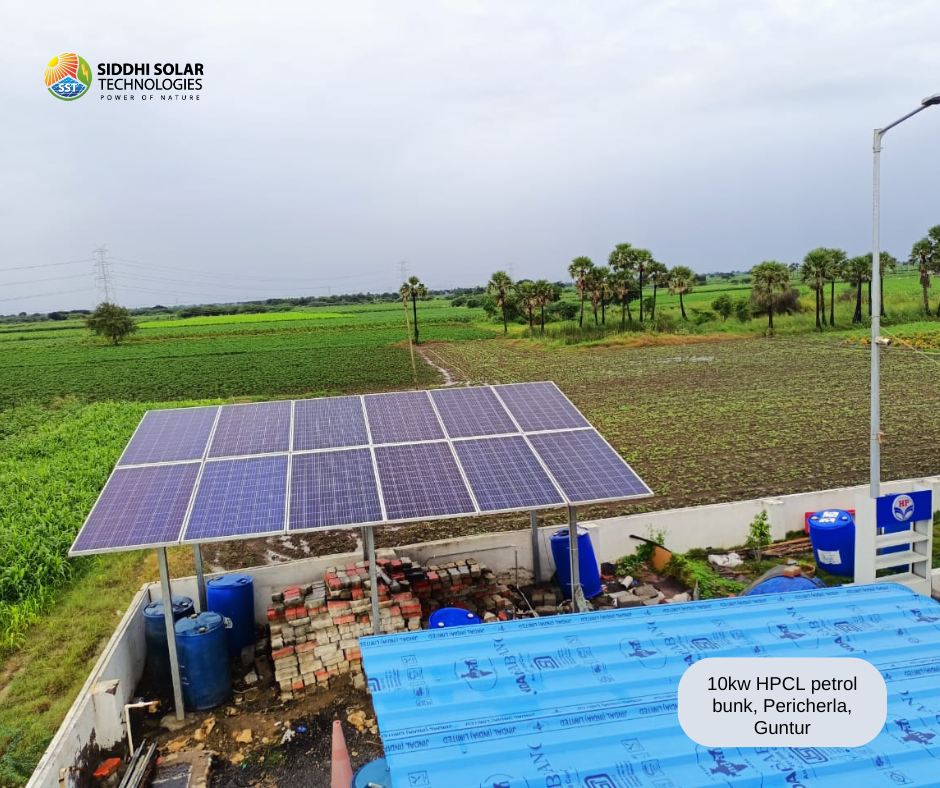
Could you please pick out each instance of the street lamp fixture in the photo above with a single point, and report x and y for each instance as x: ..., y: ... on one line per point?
x: 876, y: 340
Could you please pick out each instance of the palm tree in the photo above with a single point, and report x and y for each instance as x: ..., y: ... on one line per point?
x: 592, y: 286
x: 658, y: 274
x: 857, y: 271
x: 642, y: 259
x: 681, y: 279
x: 623, y: 262
x: 833, y: 272
x: 887, y: 261
x: 622, y: 284
x: 413, y: 289
x: 602, y: 276
x: 579, y: 270
x: 546, y: 293
x: 922, y: 255
x: 500, y: 287
x: 527, y: 297
x: 814, y: 274
x: 770, y: 278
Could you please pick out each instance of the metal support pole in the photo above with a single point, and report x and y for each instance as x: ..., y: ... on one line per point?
x: 536, y: 561
x: 373, y: 580
x: 578, y: 602
x: 200, y: 579
x: 875, y: 438
x: 365, y: 540
x: 171, y: 632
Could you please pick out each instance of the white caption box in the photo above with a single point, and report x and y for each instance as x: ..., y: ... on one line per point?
x: 774, y: 702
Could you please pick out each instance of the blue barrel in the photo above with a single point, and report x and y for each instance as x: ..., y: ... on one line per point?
x: 373, y: 773
x: 452, y: 617
x: 202, y: 649
x: 158, y: 652
x: 588, y: 570
x: 233, y: 596
x: 784, y: 585
x: 832, y: 533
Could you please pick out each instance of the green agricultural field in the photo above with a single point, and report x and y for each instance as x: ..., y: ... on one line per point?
x: 262, y: 317
x: 357, y: 350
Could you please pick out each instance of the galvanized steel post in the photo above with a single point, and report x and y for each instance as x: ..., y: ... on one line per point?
x: 578, y: 602
x: 536, y: 561
x: 171, y: 631
x: 373, y: 580
x: 200, y: 579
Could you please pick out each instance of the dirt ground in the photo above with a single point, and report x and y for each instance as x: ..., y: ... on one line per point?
x: 289, y: 745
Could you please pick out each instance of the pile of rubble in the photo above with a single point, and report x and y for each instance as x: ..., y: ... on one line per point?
x: 643, y: 594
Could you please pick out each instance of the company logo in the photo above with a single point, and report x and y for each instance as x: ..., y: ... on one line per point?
x: 479, y: 674
x: 648, y: 656
x: 68, y: 76
x: 504, y: 781
x: 903, y: 508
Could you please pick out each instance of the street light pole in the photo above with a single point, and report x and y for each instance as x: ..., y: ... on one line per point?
x: 875, y: 449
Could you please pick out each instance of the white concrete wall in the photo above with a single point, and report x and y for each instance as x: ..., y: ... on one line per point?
x: 509, y: 554
x: 115, y: 674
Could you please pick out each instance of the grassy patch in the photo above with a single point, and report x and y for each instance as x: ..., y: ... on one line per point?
x: 261, y: 317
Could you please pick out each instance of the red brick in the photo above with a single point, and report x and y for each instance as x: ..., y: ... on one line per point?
x: 108, y: 768
x: 344, y: 619
x: 284, y: 652
x: 352, y: 653
x: 337, y: 605
x: 334, y: 583
x: 321, y: 674
x: 395, y: 611
x: 310, y: 645
x: 361, y: 570
x: 271, y: 613
x: 433, y: 577
x: 297, y: 685
x: 351, y: 567
x: 358, y: 593
x: 291, y: 613
x: 404, y: 596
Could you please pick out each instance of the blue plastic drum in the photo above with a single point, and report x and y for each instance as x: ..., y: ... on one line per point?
x: 832, y: 533
x: 373, y: 773
x: 233, y: 596
x: 588, y: 570
x: 452, y: 617
x: 202, y: 649
x: 158, y: 652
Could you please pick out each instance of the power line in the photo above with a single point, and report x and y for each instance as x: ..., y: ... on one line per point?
x: 43, y: 295
x: 36, y: 281
x: 260, y: 277
x: 47, y: 265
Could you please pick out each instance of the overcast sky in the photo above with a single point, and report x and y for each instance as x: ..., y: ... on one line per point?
x: 332, y: 140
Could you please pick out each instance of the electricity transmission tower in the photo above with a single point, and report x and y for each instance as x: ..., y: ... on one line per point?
x: 403, y: 271
x: 103, y: 280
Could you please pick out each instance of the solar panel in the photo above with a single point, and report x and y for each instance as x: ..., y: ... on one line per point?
x: 333, y: 488
x: 242, y: 497
x: 472, y: 411
x: 421, y: 480
x: 328, y: 423
x: 505, y: 474
x: 139, y: 507
x: 540, y: 406
x: 402, y: 417
x: 258, y: 428
x: 170, y: 436
x: 278, y: 466
x: 586, y: 468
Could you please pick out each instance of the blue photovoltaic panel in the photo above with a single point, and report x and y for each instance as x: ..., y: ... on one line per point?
x: 329, y: 423
x: 421, y: 480
x: 170, y: 436
x: 600, y: 710
x: 239, y: 498
x: 586, y: 468
x: 540, y: 406
x: 472, y: 411
x: 333, y: 488
x: 505, y: 474
x: 139, y: 507
x: 402, y: 417
x: 259, y: 428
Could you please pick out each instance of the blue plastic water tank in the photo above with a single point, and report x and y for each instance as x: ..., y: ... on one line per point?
x: 832, y: 533
x: 158, y: 652
x: 452, y: 617
x: 588, y: 570
x: 233, y: 596
x: 373, y: 773
x: 783, y: 585
x: 202, y: 649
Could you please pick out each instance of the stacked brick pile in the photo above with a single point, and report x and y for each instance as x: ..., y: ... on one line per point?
x: 315, y: 628
x: 463, y: 583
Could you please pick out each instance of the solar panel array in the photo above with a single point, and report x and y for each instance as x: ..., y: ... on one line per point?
x: 194, y: 475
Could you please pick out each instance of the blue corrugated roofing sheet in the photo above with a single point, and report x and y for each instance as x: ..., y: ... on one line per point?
x: 589, y: 701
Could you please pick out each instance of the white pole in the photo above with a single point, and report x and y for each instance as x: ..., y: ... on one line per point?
x: 875, y: 442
